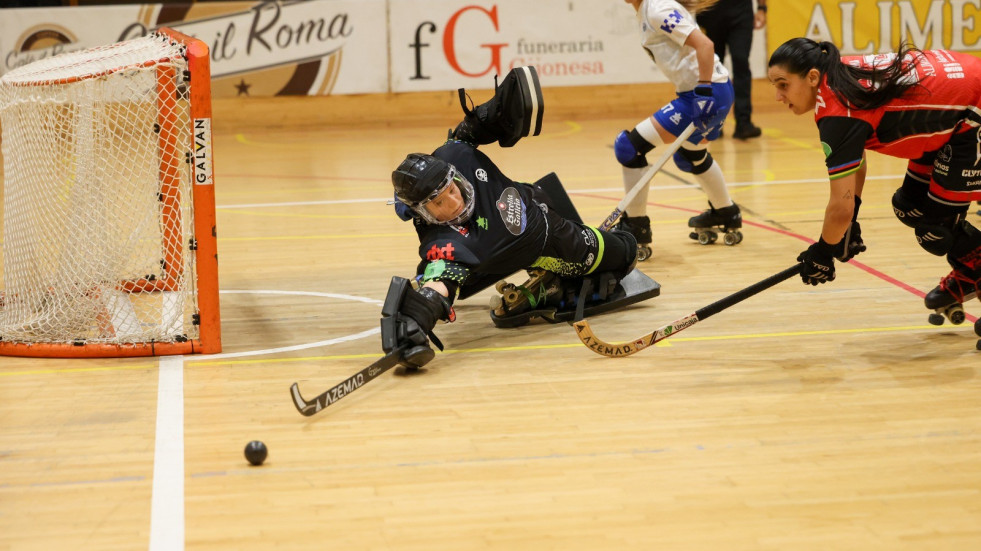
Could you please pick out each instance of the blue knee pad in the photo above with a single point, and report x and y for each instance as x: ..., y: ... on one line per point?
x: 630, y: 149
x: 694, y: 161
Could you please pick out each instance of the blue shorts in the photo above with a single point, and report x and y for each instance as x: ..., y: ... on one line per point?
x: 676, y: 116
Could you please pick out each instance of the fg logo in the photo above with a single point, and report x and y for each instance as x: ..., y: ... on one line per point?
x: 488, y: 18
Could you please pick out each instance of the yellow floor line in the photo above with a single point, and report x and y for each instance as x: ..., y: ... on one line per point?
x: 666, y: 342
x: 376, y: 355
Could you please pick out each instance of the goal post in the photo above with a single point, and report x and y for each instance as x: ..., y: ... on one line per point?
x: 109, y: 235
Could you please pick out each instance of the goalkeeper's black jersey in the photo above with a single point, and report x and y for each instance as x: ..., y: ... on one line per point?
x: 507, y: 231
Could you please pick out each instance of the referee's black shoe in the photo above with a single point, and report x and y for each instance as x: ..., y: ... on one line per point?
x: 747, y: 130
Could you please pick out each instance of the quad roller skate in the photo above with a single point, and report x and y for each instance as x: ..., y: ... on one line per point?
x: 947, y: 300
x: 517, y: 304
x: 561, y: 303
x: 707, y: 225
x: 640, y: 228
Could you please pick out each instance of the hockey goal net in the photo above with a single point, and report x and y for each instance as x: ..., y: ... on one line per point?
x: 108, y: 203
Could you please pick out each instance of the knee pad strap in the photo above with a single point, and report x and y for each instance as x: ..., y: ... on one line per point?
x: 694, y: 161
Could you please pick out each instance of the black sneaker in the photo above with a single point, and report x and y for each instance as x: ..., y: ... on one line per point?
x: 747, y: 130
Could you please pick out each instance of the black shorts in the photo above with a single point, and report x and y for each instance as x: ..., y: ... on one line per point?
x: 956, y: 172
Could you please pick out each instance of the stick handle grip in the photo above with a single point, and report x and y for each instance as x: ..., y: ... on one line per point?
x: 744, y: 294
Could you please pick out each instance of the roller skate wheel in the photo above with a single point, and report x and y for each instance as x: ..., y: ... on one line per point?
x: 497, y: 306
x: 499, y: 286
x: 511, y: 295
x: 731, y: 238
x: 977, y: 328
x: 643, y: 253
x: 978, y: 345
x: 707, y: 237
x: 955, y: 314
x: 936, y: 319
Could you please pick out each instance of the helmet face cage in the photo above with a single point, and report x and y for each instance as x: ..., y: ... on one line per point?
x: 453, y: 177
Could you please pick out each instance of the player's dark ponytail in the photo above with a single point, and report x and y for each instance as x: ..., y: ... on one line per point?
x: 800, y: 55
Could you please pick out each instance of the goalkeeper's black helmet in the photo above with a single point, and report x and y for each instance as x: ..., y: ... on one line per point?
x: 418, y: 178
x: 421, y: 178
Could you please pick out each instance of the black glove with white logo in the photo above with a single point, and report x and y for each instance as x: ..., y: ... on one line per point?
x: 818, y: 263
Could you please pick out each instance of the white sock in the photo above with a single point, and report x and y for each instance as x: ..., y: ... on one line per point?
x: 714, y: 185
x: 638, y: 205
x: 647, y: 131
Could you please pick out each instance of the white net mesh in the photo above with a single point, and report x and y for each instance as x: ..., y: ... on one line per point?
x: 98, y: 219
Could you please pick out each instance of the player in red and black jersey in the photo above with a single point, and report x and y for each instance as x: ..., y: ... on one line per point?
x: 917, y: 105
x: 476, y: 226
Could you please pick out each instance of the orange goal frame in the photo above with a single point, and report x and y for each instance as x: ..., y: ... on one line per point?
x: 206, y: 250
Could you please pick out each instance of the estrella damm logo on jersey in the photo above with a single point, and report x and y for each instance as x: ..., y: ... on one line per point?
x: 512, y: 211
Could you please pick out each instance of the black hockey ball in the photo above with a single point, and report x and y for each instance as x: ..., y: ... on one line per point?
x: 256, y: 452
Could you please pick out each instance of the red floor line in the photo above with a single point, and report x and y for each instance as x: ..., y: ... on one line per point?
x: 865, y: 267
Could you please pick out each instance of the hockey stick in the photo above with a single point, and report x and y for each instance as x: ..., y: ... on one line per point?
x: 645, y: 180
x: 390, y: 343
x: 345, y: 387
x: 604, y: 348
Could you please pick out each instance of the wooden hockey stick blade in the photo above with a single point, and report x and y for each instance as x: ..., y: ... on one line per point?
x: 645, y: 180
x: 620, y: 350
x: 345, y: 387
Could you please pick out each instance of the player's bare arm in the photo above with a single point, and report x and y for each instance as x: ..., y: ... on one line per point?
x: 841, y: 206
x: 439, y: 287
x: 704, y: 52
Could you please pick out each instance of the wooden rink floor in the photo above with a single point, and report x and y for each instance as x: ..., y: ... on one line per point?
x: 803, y: 418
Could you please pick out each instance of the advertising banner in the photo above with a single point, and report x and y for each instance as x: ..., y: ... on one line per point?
x: 322, y: 47
x: 866, y: 27
x: 446, y: 44
x: 257, y: 48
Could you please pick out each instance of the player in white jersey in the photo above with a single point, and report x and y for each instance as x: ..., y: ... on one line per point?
x: 704, y: 96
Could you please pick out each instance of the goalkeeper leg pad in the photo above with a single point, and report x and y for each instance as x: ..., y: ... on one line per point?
x: 515, y: 111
